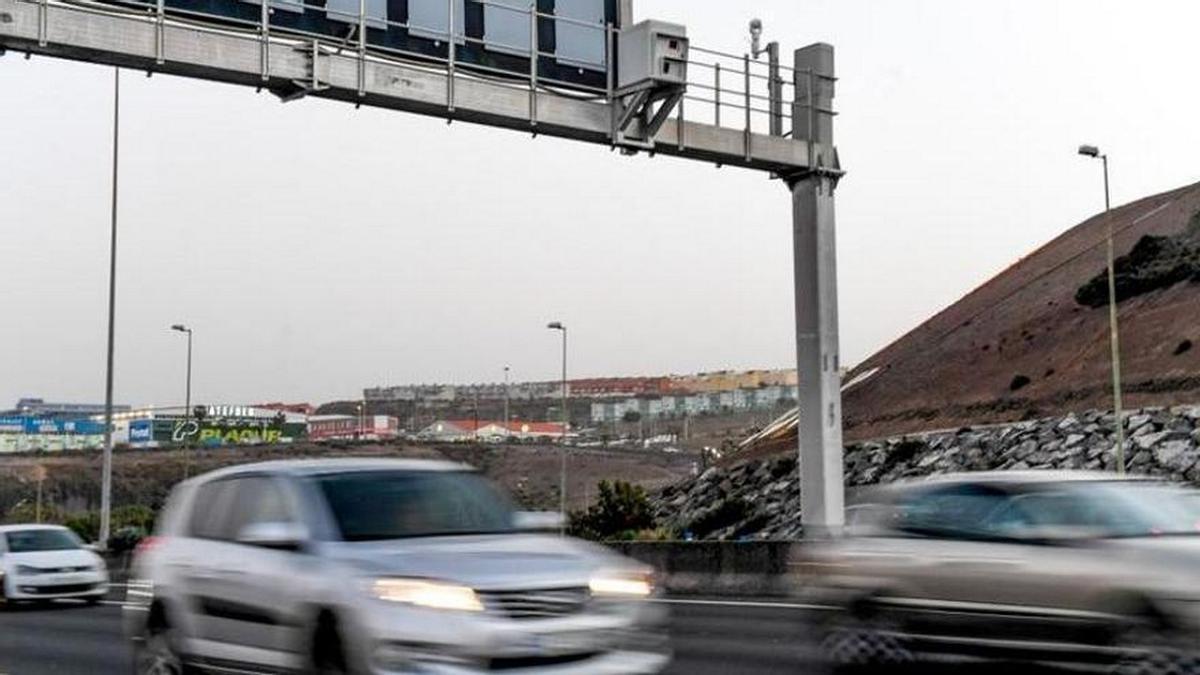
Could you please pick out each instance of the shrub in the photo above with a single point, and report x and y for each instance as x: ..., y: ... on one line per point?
x: 620, y: 512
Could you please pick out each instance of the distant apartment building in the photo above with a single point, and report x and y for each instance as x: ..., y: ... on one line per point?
x: 429, y: 394
x: 348, y: 427
x: 36, y: 407
x: 603, y: 387
x: 468, y: 430
x: 729, y: 380
x: 305, y: 409
x: 732, y: 388
x: 691, y: 405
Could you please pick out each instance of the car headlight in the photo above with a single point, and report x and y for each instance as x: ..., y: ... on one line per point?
x: 425, y: 593
x: 27, y: 571
x: 622, y: 585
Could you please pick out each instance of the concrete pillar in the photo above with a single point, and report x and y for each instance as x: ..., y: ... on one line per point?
x: 815, y: 259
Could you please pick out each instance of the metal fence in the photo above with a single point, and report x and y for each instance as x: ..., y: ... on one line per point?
x: 723, y: 89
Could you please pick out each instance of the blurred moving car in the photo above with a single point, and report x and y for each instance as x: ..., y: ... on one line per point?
x: 379, y: 566
x: 48, y: 562
x: 1051, y: 567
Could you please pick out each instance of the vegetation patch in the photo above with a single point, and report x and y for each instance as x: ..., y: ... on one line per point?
x: 1154, y: 263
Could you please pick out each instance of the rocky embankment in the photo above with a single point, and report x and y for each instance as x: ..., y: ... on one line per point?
x: 760, y: 499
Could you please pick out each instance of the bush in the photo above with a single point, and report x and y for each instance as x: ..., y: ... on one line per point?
x: 621, y: 512
x: 124, y: 518
x: 26, y: 512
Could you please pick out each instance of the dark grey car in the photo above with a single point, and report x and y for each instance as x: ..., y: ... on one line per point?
x: 1070, y: 568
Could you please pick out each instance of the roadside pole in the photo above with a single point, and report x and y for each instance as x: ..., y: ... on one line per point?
x: 106, y: 471
x: 815, y: 260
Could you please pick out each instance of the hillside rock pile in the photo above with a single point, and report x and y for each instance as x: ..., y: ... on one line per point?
x: 1154, y: 262
x: 761, y: 499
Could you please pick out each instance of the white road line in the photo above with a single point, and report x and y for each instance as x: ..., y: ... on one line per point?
x: 740, y: 603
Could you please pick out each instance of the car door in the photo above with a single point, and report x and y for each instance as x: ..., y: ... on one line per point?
x: 194, y: 560
x: 956, y: 579
x: 260, y: 593
x: 1066, y: 569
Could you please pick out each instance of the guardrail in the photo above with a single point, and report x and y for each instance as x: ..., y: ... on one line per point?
x: 717, y: 568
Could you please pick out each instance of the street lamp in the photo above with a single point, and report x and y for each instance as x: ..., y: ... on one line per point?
x: 562, y: 476
x: 507, y: 422
x: 1113, y: 328
x: 187, y: 396
x: 361, y: 405
x: 106, y: 468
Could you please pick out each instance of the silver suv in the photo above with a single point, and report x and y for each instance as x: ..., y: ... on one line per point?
x: 379, y: 566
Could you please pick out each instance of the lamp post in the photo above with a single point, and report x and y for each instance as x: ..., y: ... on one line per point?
x: 106, y: 470
x: 1113, y: 327
x: 360, y: 434
x: 562, y: 476
x: 507, y: 422
x: 187, y: 394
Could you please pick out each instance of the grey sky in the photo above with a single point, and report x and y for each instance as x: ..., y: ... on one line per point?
x: 317, y: 248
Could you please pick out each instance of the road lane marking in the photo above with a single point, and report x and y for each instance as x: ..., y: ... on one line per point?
x: 740, y: 603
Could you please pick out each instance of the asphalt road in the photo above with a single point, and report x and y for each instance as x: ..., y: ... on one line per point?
x: 709, y: 637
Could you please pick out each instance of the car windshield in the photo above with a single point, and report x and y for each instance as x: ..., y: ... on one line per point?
x: 1106, y: 509
x: 25, y: 541
x: 380, y: 505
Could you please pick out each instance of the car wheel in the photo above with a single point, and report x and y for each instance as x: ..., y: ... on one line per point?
x: 329, y: 654
x: 154, y: 653
x: 1149, y: 647
x: 861, y: 641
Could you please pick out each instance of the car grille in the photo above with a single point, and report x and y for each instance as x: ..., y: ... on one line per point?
x: 519, y: 663
x: 64, y: 570
x: 540, y: 604
x: 60, y: 589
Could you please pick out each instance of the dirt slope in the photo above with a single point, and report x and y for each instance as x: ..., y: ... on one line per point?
x: 1021, y: 345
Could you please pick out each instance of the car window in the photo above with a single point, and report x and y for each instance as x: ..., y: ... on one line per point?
x: 1098, y: 509
x: 212, y: 508
x: 957, y: 511
x: 26, y: 541
x: 260, y: 499
x: 379, y: 505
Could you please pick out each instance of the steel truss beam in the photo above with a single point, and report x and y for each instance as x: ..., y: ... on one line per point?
x: 304, y: 67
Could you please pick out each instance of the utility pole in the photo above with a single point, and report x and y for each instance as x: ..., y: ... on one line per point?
x: 106, y: 471
x: 815, y: 258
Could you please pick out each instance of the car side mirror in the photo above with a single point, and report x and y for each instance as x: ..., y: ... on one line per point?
x: 538, y: 521
x: 281, y: 536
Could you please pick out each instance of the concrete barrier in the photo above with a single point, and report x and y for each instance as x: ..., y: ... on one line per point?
x: 716, y: 568
x: 700, y: 568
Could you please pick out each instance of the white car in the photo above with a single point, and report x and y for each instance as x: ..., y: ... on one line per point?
x: 374, y: 567
x: 48, y: 562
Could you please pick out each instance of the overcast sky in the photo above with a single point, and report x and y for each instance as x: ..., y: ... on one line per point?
x: 317, y: 249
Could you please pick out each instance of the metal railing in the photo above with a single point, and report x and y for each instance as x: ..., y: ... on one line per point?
x: 723, y: 89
